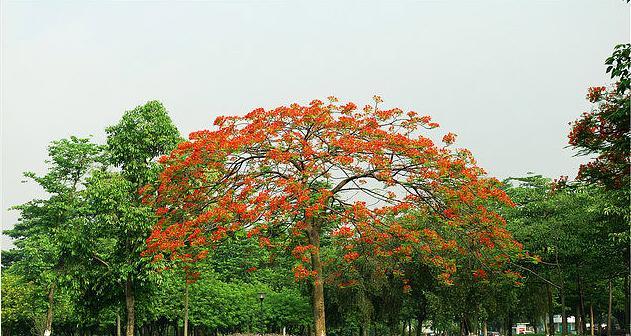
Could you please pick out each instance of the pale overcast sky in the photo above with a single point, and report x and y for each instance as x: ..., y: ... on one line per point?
x: 506, y: 76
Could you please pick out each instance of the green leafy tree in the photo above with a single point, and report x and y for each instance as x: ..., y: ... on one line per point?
x: 123, y: 222
x: 569, y: 227
x: 604, y: 132
x: 45, y: 234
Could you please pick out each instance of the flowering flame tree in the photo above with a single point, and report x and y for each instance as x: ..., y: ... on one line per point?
x: 305, y: 171
x: 604, y: 131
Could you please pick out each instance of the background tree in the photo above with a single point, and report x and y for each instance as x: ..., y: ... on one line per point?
x: 45, y: 234
x: 568, y: 226
x: 604, y: 132
x: 133, y: 144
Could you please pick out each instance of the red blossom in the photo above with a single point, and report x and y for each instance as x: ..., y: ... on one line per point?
x: 300, y: 167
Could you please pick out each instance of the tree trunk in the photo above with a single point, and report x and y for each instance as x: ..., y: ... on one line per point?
x: 578, y: 322
x: 485, y: 329
x: 49, y: 315
x: 510, y: 323
x: 464, y: 325
x: 561, y: 294
x: 130, y: 305
x: 550, y: 312
x: 318, y: 285
x: 564, y: 330
x: 627, y: 304
x: 118, y: 324
x: 186, y: 309
x: 419, y: 327
x: 591, y: 317
x: 609, y: 311
x: 421, y: 314
x: 581, y: 306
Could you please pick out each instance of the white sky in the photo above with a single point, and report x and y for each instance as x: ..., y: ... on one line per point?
x: 506, y: 76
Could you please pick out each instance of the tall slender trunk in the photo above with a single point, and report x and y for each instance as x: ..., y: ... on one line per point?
x: 130, y: 305
x: 118, y: 324
x: 591, y: 317
x: 49, y: 315
x: 578, y: 322
x: 609, y: 312
x: 581, y: 306
x: 186, y: 309
x: 464, y: 325
x: 550, y: 312
x: 318, y: 285
x: 564, y: 329
x: 485, y: 329
x: 627, y: 304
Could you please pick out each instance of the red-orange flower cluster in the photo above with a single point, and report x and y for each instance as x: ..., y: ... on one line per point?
x: 326, y: 168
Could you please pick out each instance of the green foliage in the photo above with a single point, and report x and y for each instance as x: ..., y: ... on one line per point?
x: 24, y: 304
x: 618, y: 65
x: 235, y: 306
x: 576, y: 224
x: 20, y: 302
x: 575, y: 230
x: 46, y: 235
x: 143, y: 134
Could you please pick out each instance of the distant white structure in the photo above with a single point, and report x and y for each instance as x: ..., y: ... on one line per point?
x: 522, y: 328
x: 571, y: 323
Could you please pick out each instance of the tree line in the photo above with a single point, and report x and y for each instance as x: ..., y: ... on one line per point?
x: 350, y: 220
